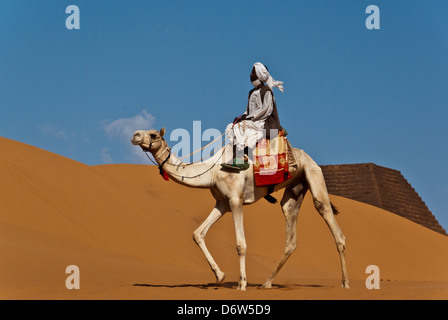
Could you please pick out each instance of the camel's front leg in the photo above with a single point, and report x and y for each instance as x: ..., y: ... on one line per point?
x: 236, y: 205
x: 199, y: 236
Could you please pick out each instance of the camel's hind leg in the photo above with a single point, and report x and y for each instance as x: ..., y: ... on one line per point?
x: 322, y: 203
x: 199, y: 236
x: 291, y: 202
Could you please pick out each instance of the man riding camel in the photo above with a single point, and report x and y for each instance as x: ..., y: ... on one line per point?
x: 259, y: 120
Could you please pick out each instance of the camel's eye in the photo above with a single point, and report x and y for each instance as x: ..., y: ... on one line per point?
x: 153, y: 135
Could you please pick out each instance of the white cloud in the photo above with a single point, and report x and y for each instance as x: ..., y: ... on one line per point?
x: 122, y: 129
x: 106, y: 158
x: 53, y: 131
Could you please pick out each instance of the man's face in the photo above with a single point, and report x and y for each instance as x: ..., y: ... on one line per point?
x: 253, y: 75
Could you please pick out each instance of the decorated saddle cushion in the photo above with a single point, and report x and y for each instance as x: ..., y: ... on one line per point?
x: 270, y: 161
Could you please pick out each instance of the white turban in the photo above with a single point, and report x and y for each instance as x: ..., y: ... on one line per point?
x: 263, y: 74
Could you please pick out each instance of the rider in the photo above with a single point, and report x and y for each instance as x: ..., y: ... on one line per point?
x: 259, y: 120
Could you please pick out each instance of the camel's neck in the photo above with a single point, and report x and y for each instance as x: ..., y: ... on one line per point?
x: 198, y: 175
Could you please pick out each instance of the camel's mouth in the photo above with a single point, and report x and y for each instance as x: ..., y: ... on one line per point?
x: 137, y: 138
x: 140, y: 139
x: 144, y: 148
x: 136, y: 142
x: 139, y: 142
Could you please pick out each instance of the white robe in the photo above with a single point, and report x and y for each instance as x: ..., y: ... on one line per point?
x: 249, y: 132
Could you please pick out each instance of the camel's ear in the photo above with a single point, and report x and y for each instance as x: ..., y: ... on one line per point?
x: 162, y: 132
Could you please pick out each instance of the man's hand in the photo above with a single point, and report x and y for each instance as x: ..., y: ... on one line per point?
x: 240, y: 118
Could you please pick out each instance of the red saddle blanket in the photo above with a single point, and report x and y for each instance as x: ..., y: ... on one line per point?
x: 270, y: 161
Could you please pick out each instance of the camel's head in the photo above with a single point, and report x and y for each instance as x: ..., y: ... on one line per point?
x: 150, y: 140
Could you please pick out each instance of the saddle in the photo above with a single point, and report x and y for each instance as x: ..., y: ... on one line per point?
x: 271, y: 158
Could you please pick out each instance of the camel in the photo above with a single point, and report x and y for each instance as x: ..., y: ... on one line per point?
x: 232, y: 190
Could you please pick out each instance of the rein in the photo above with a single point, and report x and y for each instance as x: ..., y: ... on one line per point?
x: 161, y: 165
x: 163, y: 173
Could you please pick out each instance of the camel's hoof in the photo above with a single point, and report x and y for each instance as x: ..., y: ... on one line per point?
x: 241, y: 287
x: 220, y: 276
x: 267, y: 285
x: 345, y: 284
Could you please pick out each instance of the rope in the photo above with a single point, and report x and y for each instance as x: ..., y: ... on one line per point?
x: 208, y: 156
x: 203, y: 148
x: 181, y: 176
x: 187, y: 164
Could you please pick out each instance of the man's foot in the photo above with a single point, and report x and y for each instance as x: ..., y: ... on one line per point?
x: 236, y: 166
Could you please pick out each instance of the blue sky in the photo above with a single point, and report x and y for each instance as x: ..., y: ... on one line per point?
x: 352, y: 95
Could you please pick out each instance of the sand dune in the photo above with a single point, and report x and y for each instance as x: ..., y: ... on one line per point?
x: 130, y: 234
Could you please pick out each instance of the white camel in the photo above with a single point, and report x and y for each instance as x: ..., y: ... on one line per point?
x: 232, y: 190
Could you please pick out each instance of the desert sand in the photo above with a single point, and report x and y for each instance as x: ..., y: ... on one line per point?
x: 130, y: 233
